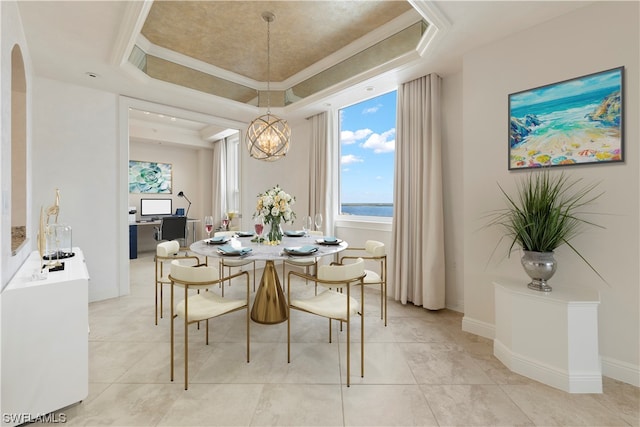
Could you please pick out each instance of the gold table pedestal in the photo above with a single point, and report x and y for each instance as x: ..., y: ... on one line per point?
x: 269, y: 306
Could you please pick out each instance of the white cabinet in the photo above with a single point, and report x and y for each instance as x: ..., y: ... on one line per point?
x: 45, y: 343
x: 549, y: 337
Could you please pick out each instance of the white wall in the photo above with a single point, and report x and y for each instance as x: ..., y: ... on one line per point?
x: 452, y: 182
x: 75, y: 149
x: 291, y: 173
x: 191, y: 173
x: 12, y: 34
x: 594, y: 38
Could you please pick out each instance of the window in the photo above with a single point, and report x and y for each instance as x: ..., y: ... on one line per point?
x: 367, y: 155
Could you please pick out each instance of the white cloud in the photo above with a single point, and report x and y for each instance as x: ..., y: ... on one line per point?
x: 348, y: 137
x: 381, y: 143
x: 350, y: 159
x: 372, y: 110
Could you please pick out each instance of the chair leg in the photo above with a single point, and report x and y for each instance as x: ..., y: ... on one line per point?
x: 186, y: 339
x: 172, y: 335
x: 156, y: 296
x: 161, y: 286
x: 288, y: 317
x: 248, y: 322
x: 384, y: 286
x: 362, y: 331
x: 348, y: 346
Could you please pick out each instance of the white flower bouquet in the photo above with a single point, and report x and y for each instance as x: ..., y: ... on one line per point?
x: 274, y: 205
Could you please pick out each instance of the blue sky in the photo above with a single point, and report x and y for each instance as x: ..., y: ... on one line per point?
x: 569, y: 88
x: 367, y: 144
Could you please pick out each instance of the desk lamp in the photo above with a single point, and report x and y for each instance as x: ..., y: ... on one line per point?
x: 181, y: 194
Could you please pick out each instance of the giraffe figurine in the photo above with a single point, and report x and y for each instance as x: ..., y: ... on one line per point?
x: 55, y: 208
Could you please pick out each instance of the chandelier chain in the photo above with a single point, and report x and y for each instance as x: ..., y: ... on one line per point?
x: 269, y: 66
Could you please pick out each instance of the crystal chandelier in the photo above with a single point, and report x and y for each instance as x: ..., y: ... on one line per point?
x: 268, y: 135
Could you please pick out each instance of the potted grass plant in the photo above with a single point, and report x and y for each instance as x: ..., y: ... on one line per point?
x: 545, y: 213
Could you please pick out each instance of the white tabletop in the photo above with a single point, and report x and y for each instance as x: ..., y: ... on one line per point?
x: 265, y: 252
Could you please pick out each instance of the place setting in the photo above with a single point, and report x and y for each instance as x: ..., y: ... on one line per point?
x: 328, y: 240
x: 229, y: 250
x: 305, y: 250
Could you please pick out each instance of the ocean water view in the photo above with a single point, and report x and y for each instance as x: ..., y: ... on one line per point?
x: 367, y: 209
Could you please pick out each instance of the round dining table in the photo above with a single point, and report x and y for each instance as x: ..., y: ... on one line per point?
x: 269, y: 305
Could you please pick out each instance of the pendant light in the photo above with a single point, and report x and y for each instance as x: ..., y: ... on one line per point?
x: 268, y: 136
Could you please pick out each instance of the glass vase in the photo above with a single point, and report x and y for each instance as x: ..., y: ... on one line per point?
x: 275, y: 232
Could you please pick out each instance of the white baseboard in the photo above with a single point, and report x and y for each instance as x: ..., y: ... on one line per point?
x: 611, y: 368
x: 580, y: 382
x: 457, y: 306
x: 477, y: 327
x: 621, y: 371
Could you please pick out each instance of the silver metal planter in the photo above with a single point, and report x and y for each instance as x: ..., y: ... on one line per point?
x: 540, y: 266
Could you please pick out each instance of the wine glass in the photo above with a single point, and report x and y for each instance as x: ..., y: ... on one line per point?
x: 318, y: 220
x: 208, y: 225
x: 307, y: 225
x: 225, y: 222
x: 259, y: 226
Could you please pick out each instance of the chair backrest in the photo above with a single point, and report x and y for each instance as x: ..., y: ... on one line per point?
x: 173, y: 227
x: 344, y: 272
x: 167, y: 249
x: 374, y: 248
x: 193, y: 274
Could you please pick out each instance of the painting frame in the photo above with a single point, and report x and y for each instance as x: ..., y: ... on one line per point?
x: 150, y: 177
x: 578, y: 121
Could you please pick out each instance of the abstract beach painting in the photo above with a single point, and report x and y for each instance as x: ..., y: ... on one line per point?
x: 576, y: 121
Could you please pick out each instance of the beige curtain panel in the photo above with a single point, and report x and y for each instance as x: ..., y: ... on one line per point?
x: 418, y: 226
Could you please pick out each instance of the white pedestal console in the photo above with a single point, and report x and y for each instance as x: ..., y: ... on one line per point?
x: 549, y: 337
x: 45, y: 343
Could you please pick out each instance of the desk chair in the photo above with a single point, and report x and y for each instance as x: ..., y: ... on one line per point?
x: 204, y: 305
x: 332, y: 304
x: 172, y: 228
x: 165, y: 253
x: 374, y: 251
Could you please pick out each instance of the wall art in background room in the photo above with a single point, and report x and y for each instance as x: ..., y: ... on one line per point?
x: 575, y: 121
x: 149, y: 177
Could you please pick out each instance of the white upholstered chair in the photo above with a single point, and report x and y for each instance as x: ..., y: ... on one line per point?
x: 234, y: 262
x: 332, y: 304
x: 165, y: 253
x: 204, y: 305
x: 374, y: 251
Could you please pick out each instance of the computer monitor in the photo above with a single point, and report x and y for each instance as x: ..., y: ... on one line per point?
x: 156, y: 207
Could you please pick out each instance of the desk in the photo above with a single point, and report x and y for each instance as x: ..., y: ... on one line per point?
x: 133, y: 233
x: 269, y: 306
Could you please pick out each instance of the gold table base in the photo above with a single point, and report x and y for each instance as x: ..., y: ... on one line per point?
x: 269, y: 306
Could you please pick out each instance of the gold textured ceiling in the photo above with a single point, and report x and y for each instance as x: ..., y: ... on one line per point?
x: 233, y: 36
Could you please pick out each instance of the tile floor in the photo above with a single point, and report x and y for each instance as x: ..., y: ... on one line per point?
x: 420, y: 370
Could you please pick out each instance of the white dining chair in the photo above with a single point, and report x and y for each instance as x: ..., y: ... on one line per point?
x: 202, y: 306
x: 332, y: 304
